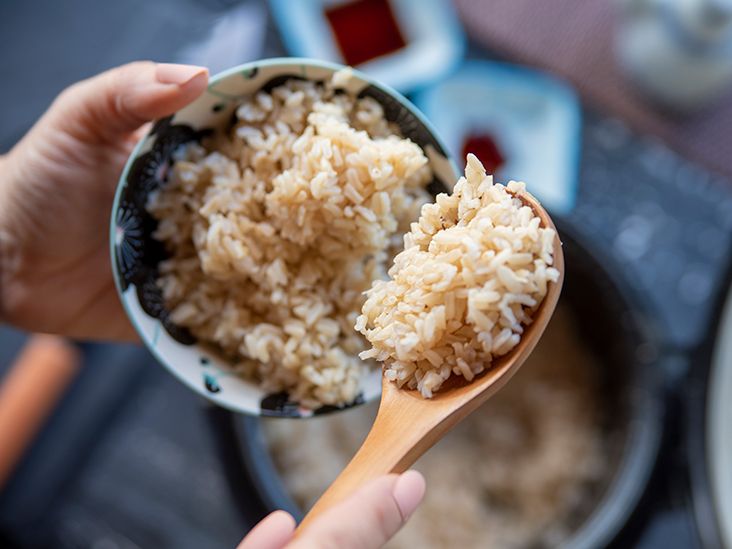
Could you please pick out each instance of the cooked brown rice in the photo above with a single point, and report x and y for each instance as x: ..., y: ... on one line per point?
x: 276, y: 228
x: 474, y: 267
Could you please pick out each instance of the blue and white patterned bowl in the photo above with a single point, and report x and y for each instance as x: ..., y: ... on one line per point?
x: 135, y: 254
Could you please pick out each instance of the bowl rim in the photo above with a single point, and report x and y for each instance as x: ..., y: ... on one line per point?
x: 296, y: 63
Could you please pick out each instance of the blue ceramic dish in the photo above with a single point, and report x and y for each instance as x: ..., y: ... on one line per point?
x: 435, y: 41
x: 534, y: 118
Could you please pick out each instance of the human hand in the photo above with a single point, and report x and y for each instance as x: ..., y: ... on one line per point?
x: 56, y: 190
x: 366, y: 520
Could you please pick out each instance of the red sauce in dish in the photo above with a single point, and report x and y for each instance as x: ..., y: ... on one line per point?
x: 486, y: 149
x: 365, y: 29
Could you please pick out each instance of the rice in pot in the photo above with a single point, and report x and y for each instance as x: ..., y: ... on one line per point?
x: 523, y: 471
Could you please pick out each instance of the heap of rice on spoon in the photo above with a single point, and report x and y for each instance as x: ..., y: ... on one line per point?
x: 474, y: 268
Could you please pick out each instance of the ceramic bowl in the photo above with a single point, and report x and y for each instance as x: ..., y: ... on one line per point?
x: 135, y: 254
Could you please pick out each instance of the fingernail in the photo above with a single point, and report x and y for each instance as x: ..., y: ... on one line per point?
x: 169, y: 73
x: 408, y: 492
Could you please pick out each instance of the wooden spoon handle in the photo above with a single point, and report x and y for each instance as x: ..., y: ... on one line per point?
x: 384, y: 451
x: 406, y: 427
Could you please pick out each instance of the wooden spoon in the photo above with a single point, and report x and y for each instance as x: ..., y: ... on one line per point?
x: 407, y: 425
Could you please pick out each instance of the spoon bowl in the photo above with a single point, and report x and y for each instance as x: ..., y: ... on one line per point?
x: 407, y: 425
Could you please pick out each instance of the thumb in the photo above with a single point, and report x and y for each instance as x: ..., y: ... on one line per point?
x: 118, y: 101
x: 272, y: 533
x: 369, y: 518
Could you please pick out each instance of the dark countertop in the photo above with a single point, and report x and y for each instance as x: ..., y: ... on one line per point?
x: 131, y: 459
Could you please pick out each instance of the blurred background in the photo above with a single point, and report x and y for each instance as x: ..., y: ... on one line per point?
x: 619, y: 116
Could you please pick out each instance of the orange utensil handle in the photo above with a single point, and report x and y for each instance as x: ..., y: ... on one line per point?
x: 29, y: 392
